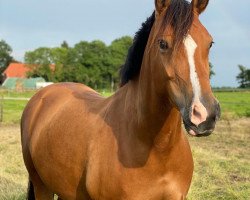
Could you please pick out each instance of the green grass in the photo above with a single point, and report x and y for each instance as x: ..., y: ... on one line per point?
x: 106, y: 93
x: 234, y: 104
x: 15, y: 94
x: 222, y: 163
x: 12, y: 111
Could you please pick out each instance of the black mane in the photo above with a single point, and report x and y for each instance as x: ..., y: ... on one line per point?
x: 179, y: 16
x: 132, y: 66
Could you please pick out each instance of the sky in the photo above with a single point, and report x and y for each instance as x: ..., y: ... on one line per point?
x: 29, y: 24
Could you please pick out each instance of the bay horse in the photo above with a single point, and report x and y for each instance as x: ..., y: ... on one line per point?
x: 130, y: 146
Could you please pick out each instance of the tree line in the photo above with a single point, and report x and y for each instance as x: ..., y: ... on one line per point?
x: 92, y: 63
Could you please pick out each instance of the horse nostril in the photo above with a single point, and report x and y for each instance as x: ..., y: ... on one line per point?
x: 198, y: 114
x: 195, y: 112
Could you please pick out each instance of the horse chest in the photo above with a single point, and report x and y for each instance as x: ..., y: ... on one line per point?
x: 138, y: 184
x: 141, y: 188
x: 152, y: 178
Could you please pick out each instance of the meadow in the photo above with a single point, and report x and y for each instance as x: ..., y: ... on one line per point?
x: 233, y: 104
x: 222, y: 160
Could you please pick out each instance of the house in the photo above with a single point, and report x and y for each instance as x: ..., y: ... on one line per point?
x: 16, y: 70
x: 15, y: 77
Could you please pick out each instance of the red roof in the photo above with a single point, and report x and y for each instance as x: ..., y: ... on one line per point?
x: 16, y: 70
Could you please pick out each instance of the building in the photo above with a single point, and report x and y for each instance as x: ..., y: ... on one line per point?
x: 15, y: 78
x: 16, y: 70
x: 20, y: 84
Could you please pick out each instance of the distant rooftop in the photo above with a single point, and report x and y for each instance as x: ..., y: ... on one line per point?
x: 16, y: 70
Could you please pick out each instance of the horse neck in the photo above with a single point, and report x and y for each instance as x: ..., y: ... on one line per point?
x: 151, y: 116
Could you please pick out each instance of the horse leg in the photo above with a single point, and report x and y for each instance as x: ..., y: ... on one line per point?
x: 40, y: 190
x: 42, y: 193
x: 37, y: 190
x: 30, y: 191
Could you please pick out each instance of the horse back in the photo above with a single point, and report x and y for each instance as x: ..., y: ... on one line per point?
x: 59, y: 101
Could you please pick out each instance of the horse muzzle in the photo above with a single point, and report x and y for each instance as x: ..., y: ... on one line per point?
x: 200, y: 123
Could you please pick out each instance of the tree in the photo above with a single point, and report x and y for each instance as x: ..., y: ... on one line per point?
x: 212, y: 73
x: 117, y: 55
x: 88, y: 60
x: 65, y: 44
x: 47, y: 63
x: 5, y: 57
x: 92, y: 63
x: 243, y: 77
x: 39, y: 62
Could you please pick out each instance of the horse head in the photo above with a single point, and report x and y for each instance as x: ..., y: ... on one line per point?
x: 180, y: 47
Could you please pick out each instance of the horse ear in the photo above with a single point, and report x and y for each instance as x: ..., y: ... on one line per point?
x: 161, y: 5
x: 200, y: 5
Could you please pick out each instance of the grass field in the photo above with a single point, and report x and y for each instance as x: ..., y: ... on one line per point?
x: 14, y: 94
x: 233, y: 104
x: 222, y: 163
x: 12, y: 110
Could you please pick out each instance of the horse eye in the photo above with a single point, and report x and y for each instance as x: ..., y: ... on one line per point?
x: 211, y: 44
x: 163, y: 44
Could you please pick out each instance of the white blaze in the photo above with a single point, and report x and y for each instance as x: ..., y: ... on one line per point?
x: 191, y: 46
